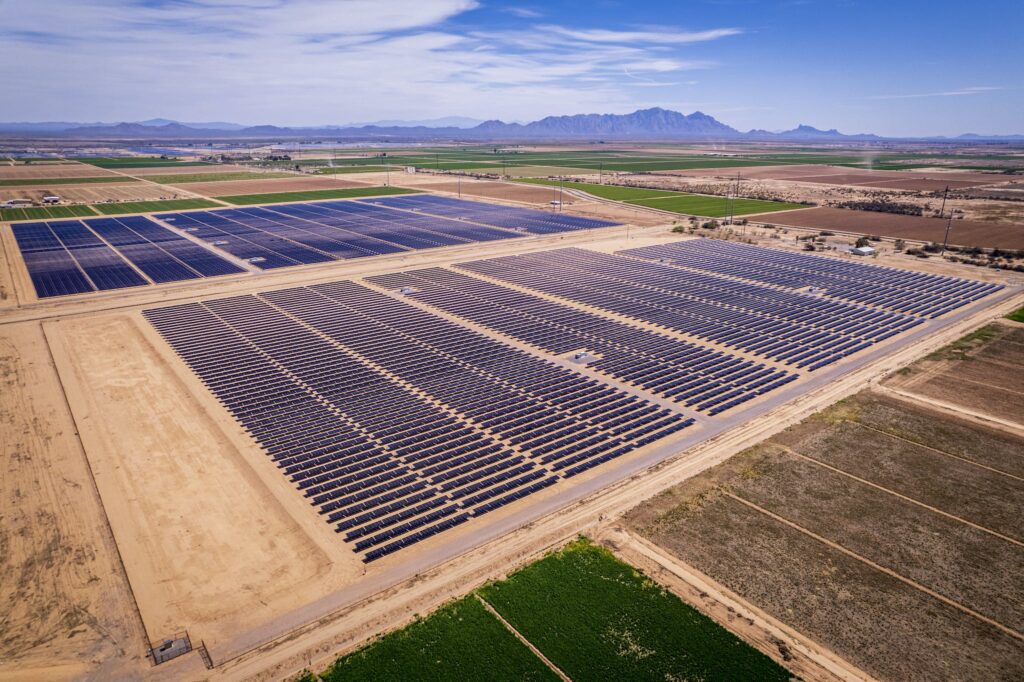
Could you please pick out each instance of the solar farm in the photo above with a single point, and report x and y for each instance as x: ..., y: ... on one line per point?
x: 295, y: 413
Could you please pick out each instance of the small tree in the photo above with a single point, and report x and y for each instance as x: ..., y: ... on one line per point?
x: 900, y: 245
x: 863, y: 241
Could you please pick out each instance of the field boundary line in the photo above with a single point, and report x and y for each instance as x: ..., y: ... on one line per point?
x: 518, y: 635
x: 954, y: 517
x: 878, y: 567
x: 941, y: 452
x: 637, y: 550
x: 949, y: 407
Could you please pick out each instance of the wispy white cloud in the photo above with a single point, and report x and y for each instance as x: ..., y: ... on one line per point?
x: 316, y: 61
x: 523, y: 12
x: 962, y: 92
x: 663, y: 37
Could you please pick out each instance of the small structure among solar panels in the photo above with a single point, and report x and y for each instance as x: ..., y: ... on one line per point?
x: 395, y: 423
x: 296, y: 234
x: 80, y: 256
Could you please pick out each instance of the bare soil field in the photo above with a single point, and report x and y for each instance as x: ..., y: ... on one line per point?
x: 91, y: 194
x: 236, y: 187
x: 188, y: 170
x: 206, y: 543
x: 67, y: 609
x: 838, y: 175
x: 68, y: 170
x: 963, y: 232
x: 986, y: 375
x: 901, y: 558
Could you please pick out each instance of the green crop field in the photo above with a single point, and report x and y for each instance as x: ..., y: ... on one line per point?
x: 460, y: 642
x: 22, y: 182
x: 45, y: 212
x: 1017, y: 315
x: 677, y: 202
x: 212, y: 177
x: 154, y: 206
x: 597, y: 618
x: 313, y: 195
x: 135, y: 162
x: 613, y: 192
x: 712, y: 206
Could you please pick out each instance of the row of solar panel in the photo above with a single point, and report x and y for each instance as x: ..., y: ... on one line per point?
x: 394, y: 422
x: 296, y: 234
x: 778, y: 325
x: 669, y: 367
x: 74, y: 256
x: 915, y: 293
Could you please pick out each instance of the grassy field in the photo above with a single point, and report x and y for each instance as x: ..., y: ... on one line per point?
x: 153, y: 206
x: 613, y: 192
x: 1016, y: 315
x: 45, y: 212
x: 458, y: 643
x: 21, y: 182
x: 597, y: 618
x: 212, y: 177
x: 314, y: 195
x: 712, y: 206
x: 135, y: 162
x: 677, y: 202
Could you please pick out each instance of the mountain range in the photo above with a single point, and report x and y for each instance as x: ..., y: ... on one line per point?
x: 649, y: 124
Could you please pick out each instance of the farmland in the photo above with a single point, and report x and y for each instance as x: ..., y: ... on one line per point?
x: 676, y: 202
x: 151, y: 206
x: 593, y: 616
x: 185, y: 178
x: 45, y: 212
x: 454, y: 644
x: 30, y: 182
x: 313, y: 195
x: 855, y: 522
x: 118, y: 162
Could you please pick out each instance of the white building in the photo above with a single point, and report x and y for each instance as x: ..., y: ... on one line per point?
x: 863, y: 251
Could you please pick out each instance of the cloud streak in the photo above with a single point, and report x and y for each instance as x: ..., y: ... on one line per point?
x: 962, y: 92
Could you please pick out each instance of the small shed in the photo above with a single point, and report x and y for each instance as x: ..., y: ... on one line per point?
x: 863, y: 251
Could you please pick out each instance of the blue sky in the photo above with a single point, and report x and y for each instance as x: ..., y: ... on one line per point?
x: 893, y: 68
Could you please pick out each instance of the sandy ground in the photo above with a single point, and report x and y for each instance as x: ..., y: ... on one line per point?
x: 963, y: 232
x: 207, y: 546
x: 68, y: 170
x: 235, y: 187
x: 67, y: 606
x: 94, y: 193
x: 495, y: 190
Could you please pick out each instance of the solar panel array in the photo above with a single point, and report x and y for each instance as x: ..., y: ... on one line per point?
x: 395, y: 423
x: 75, y: 256
x: 694, y: 375
x: 913, y: 293
x: 510, y: 217
x: 296, y: 234
x: 785, y: 326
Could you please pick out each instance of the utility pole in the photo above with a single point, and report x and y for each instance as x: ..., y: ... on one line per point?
x: 949, y: 223
x: 600, y: 172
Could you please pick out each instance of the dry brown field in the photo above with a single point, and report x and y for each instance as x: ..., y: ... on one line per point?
x: 984, y: 375
x: 527, y: 194
x: 963, y: 232
x: 188, y: 170
x: 256, y: 186
x: 46, y: 171
x: 94, y: 193
x: 928, y: 180
x: 889, y: 533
